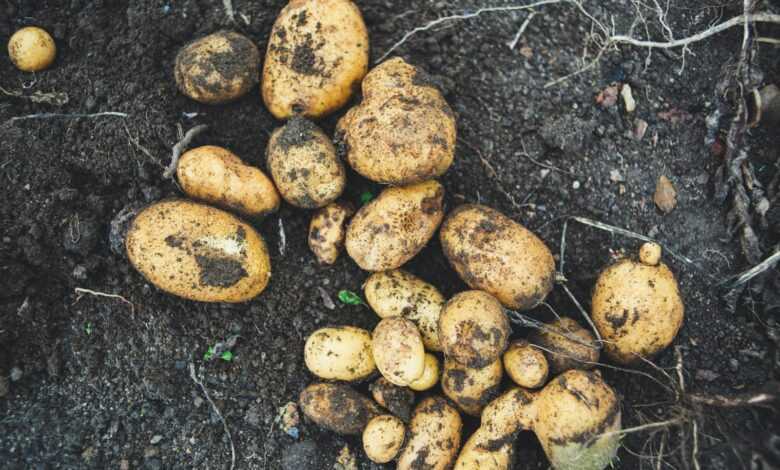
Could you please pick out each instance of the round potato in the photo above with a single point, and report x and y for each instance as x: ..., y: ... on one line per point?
x: 471, y: 389
x: 430, y: 375
x: 383, y: 438
x: 216, y: 175
x: 567, y: 345
x: 217, y: 68
x: 340, y: 353
x: 397, y: 400
x: 304, y: 165
x: 434, y: 436
x: 473, y: 329
x: 398, y: 350
x: 337, y: 407
x: 317, y: 55
x: 403, y: 131
x: 525, y: 365
x: 388, y: 231
x: 398, y: 293
x: 32, y: 49
x: 493, y: 253
x: 198, y: 252
x: 650, y: 254
x: 328, y: 229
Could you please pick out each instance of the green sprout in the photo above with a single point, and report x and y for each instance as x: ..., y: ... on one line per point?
x: 366, y: 197
x: 226, y: 356
x: 88, y: 328
x: 350, y: 298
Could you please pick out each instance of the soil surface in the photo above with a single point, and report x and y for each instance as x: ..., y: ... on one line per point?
x: 100, y: 382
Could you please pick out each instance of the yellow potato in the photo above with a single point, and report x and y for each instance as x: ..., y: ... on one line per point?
x: 340, y: 353
x: 383, y: 438
x: 493, y: 253
x: 470, y: 388
x: 198, y: 252
x: 434, y: 436
x: 328, y: 229
x: 473, y: 329
x: 317, y: 55
x: 567, y: 345
x: 304, y: 165
x: 430, y: 375
x: 216, y: 175
x: 337, y: 407
x: 388, y: 231
x: 398, y: 350
x: 397, y: 400
x: 525, y: 365
x: 32, y: 49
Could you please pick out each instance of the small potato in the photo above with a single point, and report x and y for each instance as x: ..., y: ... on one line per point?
x: 337, y: 407
x: 340, y: 353
x: 383, y: 438
x: 32, y: 49
x: 398, y: 293
x: 430, y: 375
x: 217, y: 68
x: 525, y: 365
x: 471, y: 389
x: 650, y: 254
x: 328, y: 229
x: 388, y: 231
x: 473, y: 329
x: 398, y: 400
x: 494, y: 253
x: 216, y: 175
x: 398, y: 350
x: 198, y: 252
x: 304, y: 165
x: 434, y: 436
x: 317, y: 54
x: 575, y: 348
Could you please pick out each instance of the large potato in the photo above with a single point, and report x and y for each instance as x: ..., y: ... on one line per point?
x: 388, y: 231
x: 403, y: 131
x: 337, y: 407
x: 304, y: 165
x: 327, y: 231
x: 398, y: 350
x: 317, y: 54
x: 493, y: 253
x: 198, y: 252
x: 473, y: 329
x: 340, y: 353
x: 32, y: 49
x: 525, y: 365
x: 398, y: 293
x: 567, y: 345
x: 471, y: 388
x: 433, y: 438
x: 216, y: 175
x: 383, y: 438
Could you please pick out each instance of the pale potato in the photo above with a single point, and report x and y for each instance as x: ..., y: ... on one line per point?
x: 383, y: 438
x: 430, y: 375
x: 327, y: 231
x: 340, y: 353
x: 434, y: 436
x: 471, y: 388
x: 397, y: 400
x: 337, y: 407
x: 567, y: 345
x: 650, y: 254
x: 525, y: 365
x: 398, y: 350
x: 473, y: 329
x: 32, y: 49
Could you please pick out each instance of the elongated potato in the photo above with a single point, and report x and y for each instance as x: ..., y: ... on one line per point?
x: 317, y: 54
x: 430, y: 375
x: 337, y: 407
x: 525, y: 365
x: 391, y: 229
x: 433, y: 438
x: 340, y: 353
x: 471, y: 388
x: 328, y: 229
x: 398, y: 350
x: 473, y: 328
x: 397, y: 400
x: 494, y: 253
x: 567, y: 345
x: 198, y: 252
x: 383, y: 438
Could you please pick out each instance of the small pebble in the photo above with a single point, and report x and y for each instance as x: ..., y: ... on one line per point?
x: 156, y: 439
x: 665, y: 195
x: 16, y: 374
x: 628, y: 98
x: 575, y: 185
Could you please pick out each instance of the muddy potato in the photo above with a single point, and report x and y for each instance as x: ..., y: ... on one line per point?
x: 32, y: 49
x: 388, y: 231
x: 567, y: 345
x: 198, y: 252
x: 398, y: 293
x: 304, y: 165
x: 471, y: 388
x: 403, y: 131
x: 317, y: 55
x: 433, y: 438
x: 473, y: 328
x: 397, y: 400
x: 337, y: 407
x: 340, y: 353
x: 525, y: 365
x: 217, y: 68
x: 328, y: 229
x: 430, y: 376
x: 383, y: 438
x: 494, y: 253
x: 398, y: 350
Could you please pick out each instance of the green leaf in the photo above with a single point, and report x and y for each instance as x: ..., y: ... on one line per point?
x: 88, y: 328
x: 209, y: 353
x: 366, y: 197
x: 226, y: 356
x: 350, y: 298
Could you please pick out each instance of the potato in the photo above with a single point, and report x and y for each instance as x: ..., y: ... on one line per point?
x: 340, y: 353
x: 198, y: 252
x: 398, y: 350
x: 397, y: 400
x: 337, y: 407
x: 383, y: 438
x: 403, y: 131
x: 430, y: 375
x: 317, y: 55
x: 650, y: 254
x: 493, y: 253
x: 32, y: 49
x: 388, y: 231
x: 398, y: 293
x: 637, y: 309
x: 567, y: 345
x: 328, y: 229
x: 304, y: 165
x: 216, y: 175
x: 525, y: 365
x: 471, y: 388
x: 433, y: 438
x: 473, y: 329
x: 217, y: 68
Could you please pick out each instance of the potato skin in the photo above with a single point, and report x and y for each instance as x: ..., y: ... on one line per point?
x: 32, y: 49
x: 216, y: 175
x: 473, y: 329
x: 217, y: 68
x: 383, y: 438
x: 433, y: 438
x: 525, y: 365
x: 430, y: 376
x: 397, y: 400
x: 304, y: 165
x: 494, y: 253
x: 470, y: 388
x: 337, y: 407
x: 398, y: 350
x: 317, y: 55
x: 327, y: 231
x: 340, y: 353
x: 198, y: 252
x: 567, y: 353
x: 403, y: 131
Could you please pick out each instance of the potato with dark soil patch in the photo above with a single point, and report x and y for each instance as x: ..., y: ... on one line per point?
x: 473, y: 328
x: 471, y: 388
x: 383, y: 438
x: 567, y: 345
x: 433, y: 438
x: 327, y: 231
x: 525, y: 365
x: 337, y: 407
x: 398, y: 400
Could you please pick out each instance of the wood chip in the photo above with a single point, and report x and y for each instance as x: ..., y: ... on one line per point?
x: 665, y: 195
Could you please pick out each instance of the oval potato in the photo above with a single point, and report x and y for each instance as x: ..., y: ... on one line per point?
x: 383, y: 438
x: 525, y: 365
x: 337, y: 407
x: 430, y: 376
x: 327, y: 231
x: 32, y: 49
x: 397, y: 400
x: 398, y: 350
x: 573, y: 348
x: 473, y: 328
x: 340, y: 353
x: 471, y: 388
x: 434, y: 436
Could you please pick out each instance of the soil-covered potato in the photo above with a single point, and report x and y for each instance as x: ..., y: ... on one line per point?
x: 383, y: 438
x: 388, y: 231
x: 494, y: 253
x: 304, y: 165
x: 198, y: 252
x: 403, y: 131
x: 398, y: 400
x: 473, y: 328
x: 398, y: 293
x: 32, y: 49
x: 217, y: 68
x: 340, y: 353
x: 337, y: 407
x: 317, y: 55
x: 567, y: 345
x: 430, y: 376
x: 471, y: 388
x: 398, y: 350
x: 525, y: 365
x: 216, y: 175
x: 434, y: 436
x: 328, y: 229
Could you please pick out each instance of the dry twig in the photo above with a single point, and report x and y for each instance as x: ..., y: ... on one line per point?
x: 178, y: 149
x: 80, y: 291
